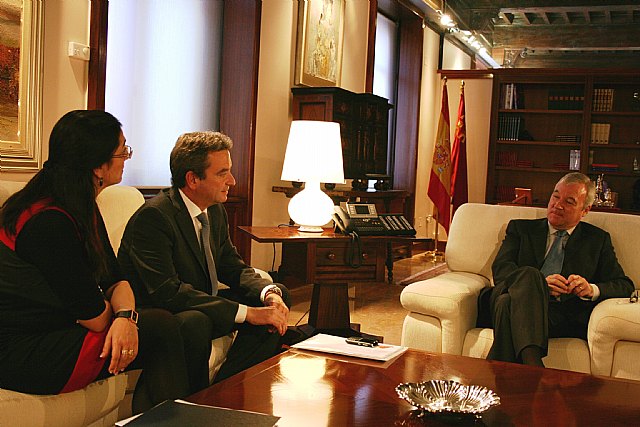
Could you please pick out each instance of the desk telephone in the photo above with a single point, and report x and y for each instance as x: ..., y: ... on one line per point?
x: 363, y: 219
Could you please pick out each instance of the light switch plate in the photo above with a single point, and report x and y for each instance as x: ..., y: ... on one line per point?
x: 79, y: 51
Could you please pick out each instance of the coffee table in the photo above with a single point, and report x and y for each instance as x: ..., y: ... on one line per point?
x: 313, y: 389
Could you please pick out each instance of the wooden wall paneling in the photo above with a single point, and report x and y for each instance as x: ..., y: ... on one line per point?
x: 98, y: 59
x: 371, y: 44
x: 238, y: 105
x: 408, y: 106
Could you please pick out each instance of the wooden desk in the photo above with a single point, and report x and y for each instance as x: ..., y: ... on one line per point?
x: 322, y: 259
x: 314, y: 389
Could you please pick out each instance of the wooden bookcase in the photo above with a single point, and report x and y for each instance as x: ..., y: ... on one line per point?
x: 540, y: 116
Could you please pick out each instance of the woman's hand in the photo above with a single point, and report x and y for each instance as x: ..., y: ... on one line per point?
x: 121, y: 343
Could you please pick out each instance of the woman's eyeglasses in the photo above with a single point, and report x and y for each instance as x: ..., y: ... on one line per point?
x: 127, y: 154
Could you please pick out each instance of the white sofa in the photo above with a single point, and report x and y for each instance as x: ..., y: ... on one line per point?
x: 104, y: 402
x: 443, y: 310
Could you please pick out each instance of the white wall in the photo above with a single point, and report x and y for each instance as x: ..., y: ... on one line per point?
x: 65, y: 79
x: 275, y: 79
x: 453, y: 58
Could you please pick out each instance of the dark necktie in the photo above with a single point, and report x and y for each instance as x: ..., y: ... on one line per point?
x: 205, y: 242
x: 555, y: 257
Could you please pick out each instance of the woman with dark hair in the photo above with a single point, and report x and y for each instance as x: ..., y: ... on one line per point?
x: 67, y: 316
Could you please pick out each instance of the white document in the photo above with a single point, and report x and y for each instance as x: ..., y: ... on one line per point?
x: 338, y: 345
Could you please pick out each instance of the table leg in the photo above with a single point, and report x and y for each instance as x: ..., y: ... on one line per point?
x: 389, y: 263
x: 329, y: 312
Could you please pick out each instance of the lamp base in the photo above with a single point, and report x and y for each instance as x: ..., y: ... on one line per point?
x: 310, y: 229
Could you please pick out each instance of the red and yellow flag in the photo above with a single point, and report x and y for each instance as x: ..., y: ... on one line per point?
x: 459, y: 184
x: 440, y: 179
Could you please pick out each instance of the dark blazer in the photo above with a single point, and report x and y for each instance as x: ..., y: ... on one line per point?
x: 588, y: 252
x: 162, y: 259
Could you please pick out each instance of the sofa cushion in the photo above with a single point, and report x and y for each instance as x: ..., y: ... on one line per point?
x: 96, y: 404
x: 117, y: 203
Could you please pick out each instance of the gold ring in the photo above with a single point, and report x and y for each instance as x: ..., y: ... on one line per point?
x: 124, y: 352
x: 130, y: 352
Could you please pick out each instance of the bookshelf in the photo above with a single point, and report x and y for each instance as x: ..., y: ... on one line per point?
x: 544, y: 122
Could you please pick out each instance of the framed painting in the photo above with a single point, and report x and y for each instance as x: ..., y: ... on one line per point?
x: 21, y: 40
x: 319, y: 44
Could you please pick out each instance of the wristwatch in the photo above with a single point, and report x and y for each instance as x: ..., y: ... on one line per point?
x: 128, y: 314
x: 272, y: 289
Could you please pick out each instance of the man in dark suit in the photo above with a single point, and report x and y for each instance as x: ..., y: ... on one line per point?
x: 164, y: 254
x: 547, y: 289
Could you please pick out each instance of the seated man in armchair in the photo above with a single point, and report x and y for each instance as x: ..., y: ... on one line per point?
x: 549, y: 274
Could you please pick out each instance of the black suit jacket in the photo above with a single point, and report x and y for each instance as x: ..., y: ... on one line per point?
x: 588, y: 252
x: 162, y: 259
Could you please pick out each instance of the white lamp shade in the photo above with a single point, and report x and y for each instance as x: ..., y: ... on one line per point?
x: 314, y: 153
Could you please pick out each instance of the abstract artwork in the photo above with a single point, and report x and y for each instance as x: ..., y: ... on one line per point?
x: 21, y: 29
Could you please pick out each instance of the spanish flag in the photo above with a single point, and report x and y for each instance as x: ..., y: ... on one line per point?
x: 459, y: 185
x: 440, y: 179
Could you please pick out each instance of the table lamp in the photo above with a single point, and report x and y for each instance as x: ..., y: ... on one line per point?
x: 314, y: 155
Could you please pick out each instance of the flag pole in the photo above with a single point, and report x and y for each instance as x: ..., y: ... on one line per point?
x: 435, y: 255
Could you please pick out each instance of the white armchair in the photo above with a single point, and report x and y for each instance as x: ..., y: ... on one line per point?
x: 443, y: 310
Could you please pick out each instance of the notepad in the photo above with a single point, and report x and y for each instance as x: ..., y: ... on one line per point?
x: 337, y: 345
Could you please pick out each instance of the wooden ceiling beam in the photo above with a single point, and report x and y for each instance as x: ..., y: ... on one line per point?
x: 568, y: 36
x: 565, y: 9
x: 545, y: 17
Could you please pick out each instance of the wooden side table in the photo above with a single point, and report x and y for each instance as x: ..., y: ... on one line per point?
x: 323, y: 259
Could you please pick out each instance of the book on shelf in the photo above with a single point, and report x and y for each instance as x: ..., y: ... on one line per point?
x: 565, y: 98
x: 605, y: 167
x: 603, y: 99
x: 509, y: 127
x: 568, y: 138
x: 506, y: 158
x: 510, y: 97
x: 524, y: 163
x: 600, y: 133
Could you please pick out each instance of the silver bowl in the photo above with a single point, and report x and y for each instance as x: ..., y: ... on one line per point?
x: 439, y: 396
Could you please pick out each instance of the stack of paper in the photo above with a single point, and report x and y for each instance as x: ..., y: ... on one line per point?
x: 338, y: 345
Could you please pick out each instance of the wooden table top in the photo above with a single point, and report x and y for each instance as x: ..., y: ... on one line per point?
x: 265, y: 234
x: 313, y: 389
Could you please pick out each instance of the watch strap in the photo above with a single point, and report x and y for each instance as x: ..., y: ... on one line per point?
x: 128, y: 314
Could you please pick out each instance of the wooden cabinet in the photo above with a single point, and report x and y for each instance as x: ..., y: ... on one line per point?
x: 364, y: 124
x: 545, y: 122
x: 332, y: 261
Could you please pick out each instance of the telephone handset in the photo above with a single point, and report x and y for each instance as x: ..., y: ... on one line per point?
x: 363, y: 219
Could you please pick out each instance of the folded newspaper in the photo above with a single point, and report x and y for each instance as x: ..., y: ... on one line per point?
x: 338, y: 345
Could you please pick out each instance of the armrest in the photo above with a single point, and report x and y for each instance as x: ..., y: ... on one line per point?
x: 447, y: 296
x: 452, y: 300
x: 612, y: 320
